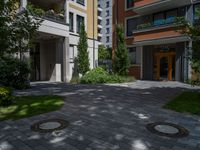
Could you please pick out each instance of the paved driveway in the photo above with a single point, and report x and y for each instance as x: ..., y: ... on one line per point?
x: 105, y: 117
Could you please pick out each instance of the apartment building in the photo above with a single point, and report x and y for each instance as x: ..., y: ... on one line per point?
x: 56, y: 43
x: 156, y: 50
x: 105, y: 19
x: 100, y: 18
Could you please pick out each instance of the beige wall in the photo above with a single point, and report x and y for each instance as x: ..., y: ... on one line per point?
x: 90, y: 22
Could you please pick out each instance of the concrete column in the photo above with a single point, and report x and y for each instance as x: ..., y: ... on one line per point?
x: 141, y: 62
x: 66, y: 13
x: 66, y: 60
x: 189, y: 61
x: 23, y: 4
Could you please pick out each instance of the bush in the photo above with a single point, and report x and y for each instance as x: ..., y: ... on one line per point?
x: 99, y: 75
x: 6, y: 97
x: 14, y: 73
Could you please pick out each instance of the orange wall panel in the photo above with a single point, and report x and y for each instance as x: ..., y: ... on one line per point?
x: 169, y: 32
x: 139, y: 3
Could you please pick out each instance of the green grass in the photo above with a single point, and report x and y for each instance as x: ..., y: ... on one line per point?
x: 27, y: 106
x: 187, y: 102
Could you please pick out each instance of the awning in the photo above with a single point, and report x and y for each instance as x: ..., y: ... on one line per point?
x: 167, y: 40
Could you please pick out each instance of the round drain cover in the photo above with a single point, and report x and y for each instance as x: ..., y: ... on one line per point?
x: 167, y: 129
x: 49, y: 125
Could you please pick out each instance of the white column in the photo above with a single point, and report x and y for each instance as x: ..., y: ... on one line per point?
x: 141, y: 63
x: 23, y: 3
x: 66, y: 5
x: 66, y: 61
x: 189, y: 61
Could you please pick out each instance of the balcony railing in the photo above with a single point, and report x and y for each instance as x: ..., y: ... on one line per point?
x: 159, y: 5
x: 50, y: 15
x: 156, y: 25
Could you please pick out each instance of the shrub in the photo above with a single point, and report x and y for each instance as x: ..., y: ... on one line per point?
x: 99, y: 75
x: 6, y: 97
x: 14, y: 73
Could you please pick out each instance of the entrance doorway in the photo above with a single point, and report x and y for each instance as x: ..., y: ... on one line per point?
x: 164, y: 66
x: 35, y: 63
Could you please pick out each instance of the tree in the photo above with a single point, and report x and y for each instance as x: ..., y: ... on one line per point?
x: 103, y: 53
x: 17, y: 29
x: 121, y: 59
x: 83, y: 56
x: 192, y: 31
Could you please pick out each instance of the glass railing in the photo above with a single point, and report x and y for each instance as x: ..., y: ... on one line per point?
x: 156, y: 24
x: 50, y: 15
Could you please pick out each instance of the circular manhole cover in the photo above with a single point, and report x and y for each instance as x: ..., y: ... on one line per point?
x: 49, y: 125
x: 167, y: 129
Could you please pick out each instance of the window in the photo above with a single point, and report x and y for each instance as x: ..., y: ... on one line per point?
x: 107, y: 30
x: 196, y: 7
x: 82, y: 2
x: 107, y: 13
x: 71, y: 22
x: 131, y: 24
x: 71, y: 52
x: 107, y: 4
x: 132, y: 55
x: 107, y: 39
x: 79, y: 22
x: 129, y: 3
x: 159, y: 19
x: 170, y: 16
x: 107, y: 22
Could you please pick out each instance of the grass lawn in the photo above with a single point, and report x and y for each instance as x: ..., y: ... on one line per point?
x: 28, y: 106
x: 188, y: 102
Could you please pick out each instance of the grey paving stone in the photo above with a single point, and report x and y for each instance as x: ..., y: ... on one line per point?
x: 105, y: 117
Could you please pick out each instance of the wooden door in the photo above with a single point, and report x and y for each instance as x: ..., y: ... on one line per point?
x: 157, y: 67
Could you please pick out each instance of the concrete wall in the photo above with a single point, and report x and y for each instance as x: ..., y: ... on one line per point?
x: 51, y: 60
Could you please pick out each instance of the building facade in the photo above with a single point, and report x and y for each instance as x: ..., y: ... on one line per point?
x: 52, y: 58
x: 156, y: 50
x: 105, y: 22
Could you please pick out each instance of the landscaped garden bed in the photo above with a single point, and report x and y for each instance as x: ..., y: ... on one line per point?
x: 187, y: 102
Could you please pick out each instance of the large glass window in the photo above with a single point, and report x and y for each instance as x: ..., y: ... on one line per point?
x: 131, y: 24
x: 71, y: 22
x: 129, y: 3
x: 79, y: 22
x: 171, y: 16
x: 159, y: 19
x: 132, y: 55
x: 196, y: 8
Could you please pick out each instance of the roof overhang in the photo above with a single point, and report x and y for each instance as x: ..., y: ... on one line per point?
x: 166, y: 40
x: 160, y: 5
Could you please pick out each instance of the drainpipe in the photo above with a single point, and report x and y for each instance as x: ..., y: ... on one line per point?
x: 93, y: 37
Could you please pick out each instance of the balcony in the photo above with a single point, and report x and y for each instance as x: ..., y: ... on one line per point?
x: 150, y: 26
x: 48, y: 10
x: 143, y: 8
x: 52, y: 12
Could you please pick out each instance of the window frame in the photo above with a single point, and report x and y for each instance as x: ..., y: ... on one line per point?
x: 71, y: 28
x: 77, y: 24
x: 135, y: 51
